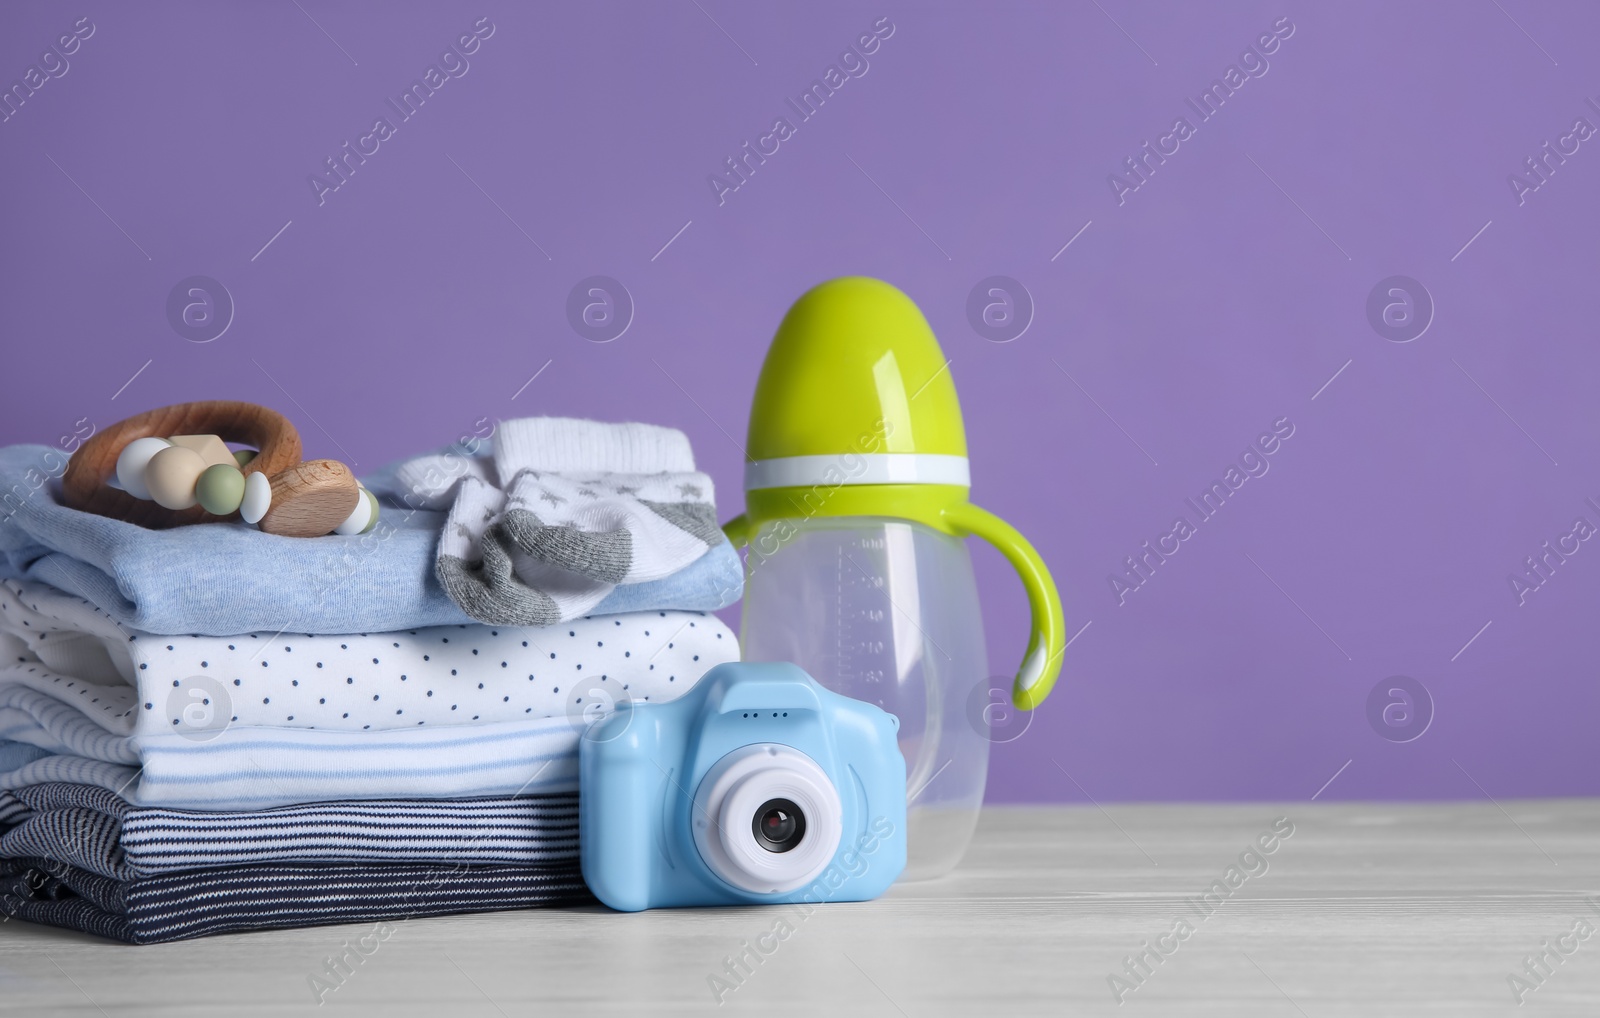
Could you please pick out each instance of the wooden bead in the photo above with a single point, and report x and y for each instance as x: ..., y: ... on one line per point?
x: 257, y: 498
x: 171, y: 475
x: 311, y: 499
x: 131, y: 463
x: 220, y: 489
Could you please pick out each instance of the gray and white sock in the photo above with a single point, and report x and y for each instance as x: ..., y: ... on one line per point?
x: 583, y: 506
x: 616, y: 528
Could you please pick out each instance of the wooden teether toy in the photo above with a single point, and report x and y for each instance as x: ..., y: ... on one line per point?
x: 175, y: 469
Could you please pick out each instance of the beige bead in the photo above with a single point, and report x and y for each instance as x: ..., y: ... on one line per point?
x: 171, y: 475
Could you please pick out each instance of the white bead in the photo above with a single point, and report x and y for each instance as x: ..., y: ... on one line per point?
x: 257, y: 497
x: 131, y: 462
x: 356, y: 522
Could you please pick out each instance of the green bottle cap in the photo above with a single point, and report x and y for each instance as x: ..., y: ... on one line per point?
x: 855, y: 364
x: 855, y: 414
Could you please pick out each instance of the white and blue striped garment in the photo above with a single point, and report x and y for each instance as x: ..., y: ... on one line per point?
x: 257, y: 768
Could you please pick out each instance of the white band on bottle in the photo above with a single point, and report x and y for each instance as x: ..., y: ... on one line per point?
x: 857, y: 468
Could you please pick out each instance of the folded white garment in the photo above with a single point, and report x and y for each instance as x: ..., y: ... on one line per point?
x: 131, y: 683
x: 230, y: 723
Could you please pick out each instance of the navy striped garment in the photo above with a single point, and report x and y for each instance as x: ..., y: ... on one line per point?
x: 180, y: 906
x: 92, y: 829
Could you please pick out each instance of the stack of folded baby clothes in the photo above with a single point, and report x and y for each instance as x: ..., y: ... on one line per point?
x: 210, y: 728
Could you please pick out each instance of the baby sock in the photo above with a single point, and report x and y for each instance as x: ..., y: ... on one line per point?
x: 492, y: 579
x: 619, y: 503
x: 582, y: 506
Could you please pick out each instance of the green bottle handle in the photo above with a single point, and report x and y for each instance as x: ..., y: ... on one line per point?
x: 1047, y: 640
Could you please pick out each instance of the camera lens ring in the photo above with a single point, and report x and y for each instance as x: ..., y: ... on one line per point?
x: 729, y: 796
x: 778, y: 825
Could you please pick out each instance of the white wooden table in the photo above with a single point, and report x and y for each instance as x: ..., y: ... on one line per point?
x: 1365, y: 909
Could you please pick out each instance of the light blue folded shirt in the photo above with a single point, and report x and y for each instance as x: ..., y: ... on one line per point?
x: 224, y: 579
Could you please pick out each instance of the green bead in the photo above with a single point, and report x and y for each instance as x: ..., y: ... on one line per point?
x: 220, y: 489
x: 244, y: 456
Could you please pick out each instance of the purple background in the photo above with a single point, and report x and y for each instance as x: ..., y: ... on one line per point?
x: 1215, y: 300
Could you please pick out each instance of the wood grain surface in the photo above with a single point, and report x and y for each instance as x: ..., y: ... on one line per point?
x: 310, y: 499
x: 84, y: 487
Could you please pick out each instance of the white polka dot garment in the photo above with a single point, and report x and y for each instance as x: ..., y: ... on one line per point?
x: 131, y: 683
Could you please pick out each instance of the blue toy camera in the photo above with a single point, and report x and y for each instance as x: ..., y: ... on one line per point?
x: 756, y: 787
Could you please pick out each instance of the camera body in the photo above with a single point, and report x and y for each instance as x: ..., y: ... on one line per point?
x: 756, y: 787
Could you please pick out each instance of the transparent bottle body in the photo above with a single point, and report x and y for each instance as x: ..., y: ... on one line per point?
x: 885, y: 611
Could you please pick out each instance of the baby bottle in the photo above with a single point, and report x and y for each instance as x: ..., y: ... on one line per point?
x: 856, y: 509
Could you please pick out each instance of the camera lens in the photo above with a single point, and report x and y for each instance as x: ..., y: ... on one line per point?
x: 779, y: 825
x: 767, y: 819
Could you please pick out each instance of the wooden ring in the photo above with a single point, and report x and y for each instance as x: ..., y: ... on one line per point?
x: 84, y: 485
